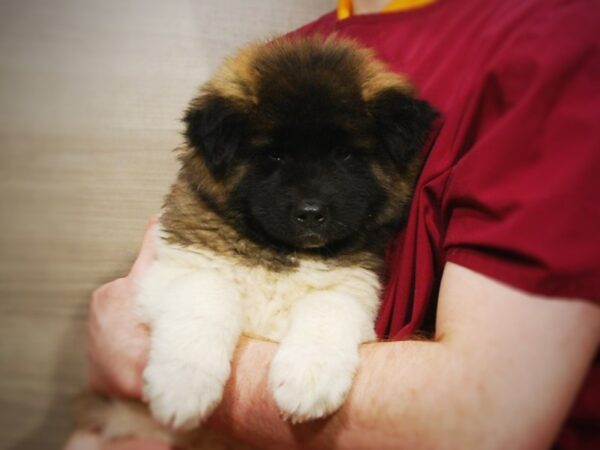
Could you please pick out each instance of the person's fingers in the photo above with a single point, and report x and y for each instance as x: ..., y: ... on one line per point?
x: 136, y: 444
x: 147, y: 252
x: 84, y: 440
x: 87, y: 440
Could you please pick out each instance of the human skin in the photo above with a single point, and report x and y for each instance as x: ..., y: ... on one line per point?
x: 116, y: 337
x: 499, y: 374
x: 368, y: 6
x: 87, y: 440
x: 117, y: 348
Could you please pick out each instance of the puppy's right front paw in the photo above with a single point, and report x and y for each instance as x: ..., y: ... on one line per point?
x: 182, y: 395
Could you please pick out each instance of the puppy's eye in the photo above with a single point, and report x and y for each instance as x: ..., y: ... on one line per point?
x: 272, y: 154
x: 343, y: 154
x: 275, y: 156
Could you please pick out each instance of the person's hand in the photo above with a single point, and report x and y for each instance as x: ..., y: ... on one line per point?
x: 87, y: 440
x: 118, y: 342
x: 118, y: 346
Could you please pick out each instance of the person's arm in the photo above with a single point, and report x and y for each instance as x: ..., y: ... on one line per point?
x: 502, y: 373
x: 503, y: 370
x: 117, y: 341
x: 117, y: 349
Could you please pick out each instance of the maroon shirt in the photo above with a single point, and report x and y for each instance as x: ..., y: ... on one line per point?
x: 510, y: 186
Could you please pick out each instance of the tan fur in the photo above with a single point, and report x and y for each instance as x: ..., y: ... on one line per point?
x: 399, y: 188
x: 188, y: 222
x: 377, y: 77
x: 236, y: 80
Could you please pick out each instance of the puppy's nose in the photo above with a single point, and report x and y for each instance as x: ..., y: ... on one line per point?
x: 310, y: 213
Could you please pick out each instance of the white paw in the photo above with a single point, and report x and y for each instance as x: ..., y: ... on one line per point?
x: 309, y: 382
x: 182, y: 394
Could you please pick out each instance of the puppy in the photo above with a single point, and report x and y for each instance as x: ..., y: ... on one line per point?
x: 299, y: 163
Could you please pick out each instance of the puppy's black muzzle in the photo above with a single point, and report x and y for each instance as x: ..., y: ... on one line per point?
x: 310, y: 214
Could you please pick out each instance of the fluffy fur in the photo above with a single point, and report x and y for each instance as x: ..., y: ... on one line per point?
x: 300, y: 160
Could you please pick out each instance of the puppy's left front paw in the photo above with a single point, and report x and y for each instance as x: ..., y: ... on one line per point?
x: 182, y: 394
x: 309, y: 383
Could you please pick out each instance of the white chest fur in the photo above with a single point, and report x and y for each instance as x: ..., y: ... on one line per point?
x: 197, y: 304
x: 266, y: 297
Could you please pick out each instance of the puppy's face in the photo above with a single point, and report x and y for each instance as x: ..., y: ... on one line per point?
x: 313, y: 145
x: 309, y: 184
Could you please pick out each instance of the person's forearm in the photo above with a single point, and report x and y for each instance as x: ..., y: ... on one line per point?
x: 420, y: 376
x: 503, y: 372
x: 500, y: 375
x: 412, y: 395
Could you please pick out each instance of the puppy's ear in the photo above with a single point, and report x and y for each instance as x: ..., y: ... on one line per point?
x: 214, y: 128
x: 403, y: 122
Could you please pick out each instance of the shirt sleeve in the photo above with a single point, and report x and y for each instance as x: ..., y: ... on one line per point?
x: 522, y: 204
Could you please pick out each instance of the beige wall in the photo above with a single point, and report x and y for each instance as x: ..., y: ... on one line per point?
x: 90, y: 97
